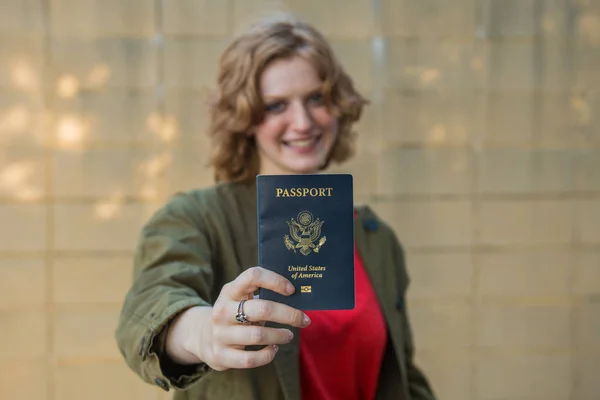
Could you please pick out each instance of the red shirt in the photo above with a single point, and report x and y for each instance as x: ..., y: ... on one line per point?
x: 341, y: 351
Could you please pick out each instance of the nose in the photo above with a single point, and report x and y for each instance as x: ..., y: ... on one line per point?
x: 301, y: 120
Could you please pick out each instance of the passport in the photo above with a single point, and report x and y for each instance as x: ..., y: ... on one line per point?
x: 306, y: 234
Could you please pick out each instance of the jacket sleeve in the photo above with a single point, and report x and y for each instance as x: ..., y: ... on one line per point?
x: 419, y: 386
x: 172, y: 272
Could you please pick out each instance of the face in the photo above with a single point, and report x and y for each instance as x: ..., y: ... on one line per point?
x: 298, y: 130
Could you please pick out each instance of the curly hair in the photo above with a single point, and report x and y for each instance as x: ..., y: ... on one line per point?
x: 238, y: 106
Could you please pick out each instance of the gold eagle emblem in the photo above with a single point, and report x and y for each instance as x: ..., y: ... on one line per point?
x: 304, y: 231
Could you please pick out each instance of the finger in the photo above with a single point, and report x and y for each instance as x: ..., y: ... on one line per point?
x: 248, y: 335
x: 254, y: 278
x: 258, y: 310
x: 234, y: 358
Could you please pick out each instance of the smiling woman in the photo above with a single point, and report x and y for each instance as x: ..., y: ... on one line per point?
x: 298, y: 130
x: 282, y: 92
x: 284, y: 105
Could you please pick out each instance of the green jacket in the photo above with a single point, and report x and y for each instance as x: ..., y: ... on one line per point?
x: 201, y: 240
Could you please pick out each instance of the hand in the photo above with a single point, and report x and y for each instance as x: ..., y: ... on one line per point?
x: 222, y: 341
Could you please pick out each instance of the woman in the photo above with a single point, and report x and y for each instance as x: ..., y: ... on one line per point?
x: 284, y: 105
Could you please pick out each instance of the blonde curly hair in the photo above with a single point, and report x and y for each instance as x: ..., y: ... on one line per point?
x: 237, y: 105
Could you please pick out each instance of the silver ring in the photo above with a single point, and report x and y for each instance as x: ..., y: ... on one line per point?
x: 240, y: 316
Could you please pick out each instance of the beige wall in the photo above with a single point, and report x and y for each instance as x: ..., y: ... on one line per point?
x: 481, y: 147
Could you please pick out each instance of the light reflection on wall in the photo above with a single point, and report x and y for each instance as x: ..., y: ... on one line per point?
x: 582, y: 109
x: 425, y: 75
x: 16, y: 173
x: 477, y: 64
x: 589, y: 28
x: 23, y: 74
x: 14, y: 120
x: 156, y: 165
x: 151, y: 171
x: 429, y: 76
x: 150, y: 191
x: 98, y: 76
x: 437, y: 134
x: 68, y: 86
x: 110, y: 207
x: 71, y: 133
x: 28, y: 193
x: 16, y: 178
x: 164, y: 126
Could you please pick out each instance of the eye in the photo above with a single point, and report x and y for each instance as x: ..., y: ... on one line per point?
x: 316, y: 98
x: 275, y: 107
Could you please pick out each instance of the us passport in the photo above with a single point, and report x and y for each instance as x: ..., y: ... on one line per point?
x: 306, y: 234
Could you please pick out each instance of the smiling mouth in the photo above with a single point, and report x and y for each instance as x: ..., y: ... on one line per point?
x: 302, y: 143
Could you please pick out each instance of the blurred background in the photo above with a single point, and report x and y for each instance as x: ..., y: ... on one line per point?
x: 481, y: 147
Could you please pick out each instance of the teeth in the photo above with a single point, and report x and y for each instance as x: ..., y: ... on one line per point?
x: 302, y: 143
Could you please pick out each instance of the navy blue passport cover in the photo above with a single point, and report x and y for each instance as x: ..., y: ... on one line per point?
x: 306, y: 234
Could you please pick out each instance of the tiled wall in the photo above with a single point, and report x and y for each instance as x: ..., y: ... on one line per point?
x: 481, y: 147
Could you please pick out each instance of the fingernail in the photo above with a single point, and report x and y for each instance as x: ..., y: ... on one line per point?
x: 275, y: 348
x: 290, y: 288
x: 291, y: 335
x: 306, y: 320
